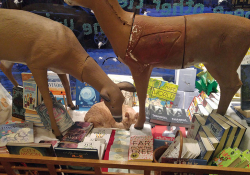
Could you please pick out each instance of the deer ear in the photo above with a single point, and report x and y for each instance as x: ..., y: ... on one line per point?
x: 105, y: 96
x: 127, y: 86
x: 127, y: 115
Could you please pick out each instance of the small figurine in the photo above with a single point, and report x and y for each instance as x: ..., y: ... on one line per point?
x: 44, y: 44
x: 219, y: 41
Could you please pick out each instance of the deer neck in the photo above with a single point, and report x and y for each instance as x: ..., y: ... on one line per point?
x: 116, y: 24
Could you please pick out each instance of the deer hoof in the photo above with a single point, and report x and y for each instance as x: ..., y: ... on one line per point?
x: 59, y: 137
x: 72, y: 107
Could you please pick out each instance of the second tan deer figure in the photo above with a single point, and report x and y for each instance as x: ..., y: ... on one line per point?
x: 43, y: 44
x: 218, y: 41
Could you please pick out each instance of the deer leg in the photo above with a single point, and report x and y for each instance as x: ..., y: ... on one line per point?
x: 66, y: 86
x: 141, y: 83
x: 6, y: 67
x: 40, y: 76
x: 229, y: 84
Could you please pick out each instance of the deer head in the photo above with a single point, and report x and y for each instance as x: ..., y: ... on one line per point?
x: 113, y: 98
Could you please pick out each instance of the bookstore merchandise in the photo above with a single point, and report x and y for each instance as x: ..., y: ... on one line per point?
x: 17, y: 103
x: 206, y: 148
x: 86, y: 95
x: 77, y: 132
x: 16, y: 133
x: 141, y: 148
x: 190, y: 149
x: 166, y: 133
x: 31, y: 95
x: 185, y: 78
x: 231, y: 132
x: 79, y: 153
x: 32, y: 116
x: 244, y: 160
x: 5, y: 105
x: 179, y: 100
x: 197, y: 122
x: 182, y: 161
x: 168, y: 116
x: 219, y: 129
x: 63, y: 120
x: 209, y: 105
x: 31, y: 149
x: 213, y: 140
x: 56, y: 86
x: 228, y: 157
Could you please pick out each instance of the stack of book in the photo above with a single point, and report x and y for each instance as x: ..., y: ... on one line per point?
x: 190, y: 149
x: 215, y: 133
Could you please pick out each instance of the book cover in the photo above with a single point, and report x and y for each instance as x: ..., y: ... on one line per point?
x: 219, y: 129
x: 231, y: 132
x: 213, y: 140
x: 67, y: 145
x: 86, y: 95
x: 182, y: 161
x: 206, y: 149
x: 101, y: 133
x: 163, y: 90
x: 92, y: 145
x: 188, y: 98
x: 245, y: 88
x: 30, y: 94
x: 34, y: 118
x: 197, y: 122
x: 244, y: 160
x: 191, y: 110
x: 239, y: 133
x: 203, y: 95
x: 26, y: 76
x: 185, y: 78
x: 54, y: 143
x: 16, y: 133
x: 32, y: 149
x: 77, y: 132
x: 55, y: 84
x: 141, y: 148
x: 158, y: 115
x: 167, y: 133
x: 179, y: 100
x: 226, y: 157
x: 63, y: 120
x: 179, y: 117
x: 79, y: 153
x: 209, y: 105
x: 17, y: 103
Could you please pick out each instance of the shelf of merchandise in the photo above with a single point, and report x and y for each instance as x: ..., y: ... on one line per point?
x: 7, y: 164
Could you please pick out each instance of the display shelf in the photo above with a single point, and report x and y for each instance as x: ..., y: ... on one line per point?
x: 7, y: 160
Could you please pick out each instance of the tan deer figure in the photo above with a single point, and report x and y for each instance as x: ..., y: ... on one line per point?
x: 43, y: 44
x: 218, y: 41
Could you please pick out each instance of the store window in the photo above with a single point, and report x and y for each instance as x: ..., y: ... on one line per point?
x: 86, y: 28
